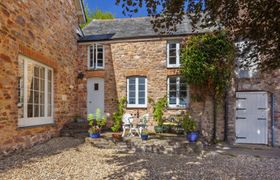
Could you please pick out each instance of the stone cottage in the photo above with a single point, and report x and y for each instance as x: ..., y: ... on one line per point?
x: 126, y: 58
x: 38, y: 69
x: 52, y: 71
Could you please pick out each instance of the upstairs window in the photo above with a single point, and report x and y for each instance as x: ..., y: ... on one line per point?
x: 178, y: 95
x: 137, y: 92
x: 173, y: 54
x: 96, y: 56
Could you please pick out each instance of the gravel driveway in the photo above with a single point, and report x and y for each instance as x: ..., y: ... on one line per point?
x: 69, y: 158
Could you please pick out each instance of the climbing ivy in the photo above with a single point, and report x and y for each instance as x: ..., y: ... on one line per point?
x: 207, y: 63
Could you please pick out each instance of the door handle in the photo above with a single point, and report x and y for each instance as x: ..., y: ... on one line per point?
x: 89, y: 102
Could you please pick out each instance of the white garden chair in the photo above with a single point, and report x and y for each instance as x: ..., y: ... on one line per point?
x: 127, y: 125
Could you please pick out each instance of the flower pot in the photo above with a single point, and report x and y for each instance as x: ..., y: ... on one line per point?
x: 166, y: 128
x: 192, y: 136
x: 144, y: 136
x: 117, y: 136
x: 95, y: 135
x: 158, y: 129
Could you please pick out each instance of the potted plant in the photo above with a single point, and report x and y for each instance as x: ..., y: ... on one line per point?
x: 96, y: 122
x: 159, y: 108
x: 117, y: 120
x: 190, y: 128
x: 145, y: 134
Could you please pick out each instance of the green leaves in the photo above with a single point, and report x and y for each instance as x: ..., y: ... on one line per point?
x: 159, y: 107
x: 208, y: 61
x: 117, y: 116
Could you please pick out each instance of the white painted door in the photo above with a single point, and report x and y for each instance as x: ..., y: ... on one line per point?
x: 95, y: 95
x: 251, y: 117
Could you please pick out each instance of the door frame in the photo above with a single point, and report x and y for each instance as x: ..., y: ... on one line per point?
x: 92, y: 80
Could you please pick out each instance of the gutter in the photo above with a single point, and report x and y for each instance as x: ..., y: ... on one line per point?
x: 83, y: 10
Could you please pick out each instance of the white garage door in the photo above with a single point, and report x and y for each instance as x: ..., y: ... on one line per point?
x: 251, y: 117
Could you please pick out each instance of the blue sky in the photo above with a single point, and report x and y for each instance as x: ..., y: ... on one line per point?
x: 110, y: 6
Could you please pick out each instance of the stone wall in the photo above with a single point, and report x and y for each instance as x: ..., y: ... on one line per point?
x: 46, y: 32
x: 142, y: 58
x: 263, y: 82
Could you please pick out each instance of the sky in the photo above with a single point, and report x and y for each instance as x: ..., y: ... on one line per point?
x: 110, y: 6
x: 116, y: 10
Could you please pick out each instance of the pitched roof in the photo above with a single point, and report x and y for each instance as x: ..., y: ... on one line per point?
x: 129, y: 28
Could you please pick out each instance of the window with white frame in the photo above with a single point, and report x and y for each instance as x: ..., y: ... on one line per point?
x: 37, y: 93
x: 173, y: 54
x: 96, y: 56
x: 137, y: 92
x: 178, y: 94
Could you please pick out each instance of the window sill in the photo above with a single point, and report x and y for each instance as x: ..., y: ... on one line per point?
x: 136, y: 107
x: 177, y: 108
x: 36, y: 126
x: 95, y: 69
x: 173, y: 67
x: 29, y: 122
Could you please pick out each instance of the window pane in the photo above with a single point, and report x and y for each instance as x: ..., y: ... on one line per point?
x: 49, y: 75
x: 36, y: 97
x: 183, y: 97
x: 100, y: 63
x: 42, y: 110
x: 172, y: 80
x: 36, y: 84
x: 42, y: 73
x: 49, y: 98
x: 29, y: 110
x: 141, y: 101
x: 172, y: 60
x: 132, y: 81
x: 131, y: 101
x: 172, y: 97
x: 42, y: 85
x: 42, y: 98
x: 100, y: 55
x: 132, y: 94
x: 30, y: 96
x: 141, y: 81
x: 49, y: 110
x: 172, y: 53
x: 36, y: 71
x: 36, y: 110
x: 141, y: 94
x: 172, y: 45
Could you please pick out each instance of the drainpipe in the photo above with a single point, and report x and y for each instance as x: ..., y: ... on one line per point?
x: 272, y: 119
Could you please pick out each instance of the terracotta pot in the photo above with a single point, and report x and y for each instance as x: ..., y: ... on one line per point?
x: 117, y: 136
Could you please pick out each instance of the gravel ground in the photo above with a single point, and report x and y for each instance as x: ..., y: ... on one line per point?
x: 68, y: 158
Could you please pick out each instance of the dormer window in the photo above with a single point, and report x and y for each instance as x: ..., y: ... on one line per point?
x: 96, y: 56
x: 173, y: 54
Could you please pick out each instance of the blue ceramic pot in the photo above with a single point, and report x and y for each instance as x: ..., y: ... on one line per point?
x: 192, y: 136
x: 144, y: 136
x: 95, y: 135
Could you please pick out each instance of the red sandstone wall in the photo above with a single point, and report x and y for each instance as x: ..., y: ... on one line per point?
x: 44, y: 31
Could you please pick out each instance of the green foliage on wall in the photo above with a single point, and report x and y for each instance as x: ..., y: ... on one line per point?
x: 208, y: 62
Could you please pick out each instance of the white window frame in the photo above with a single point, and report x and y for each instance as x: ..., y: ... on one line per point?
x: 35, y: 121
x: 177, y: 105
x: 95, y: 65
x: 137, y: 105
x: 177, y: 54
